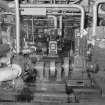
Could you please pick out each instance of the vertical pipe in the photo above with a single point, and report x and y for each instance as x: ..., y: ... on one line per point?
x: 27, y: 32
x: 82, y: 21
x: 54, y: 1
x: 33, y: 29
x: 60, y: 23
x: 52, y: 68
x: 94, y: 19
x: 17, y: 27
x: 51, y: 1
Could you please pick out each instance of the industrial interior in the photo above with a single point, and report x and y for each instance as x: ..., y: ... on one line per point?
x: 52, y: 52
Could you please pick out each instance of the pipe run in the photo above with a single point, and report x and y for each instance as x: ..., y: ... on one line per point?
x: 95, y: 15
x: 59, y: 6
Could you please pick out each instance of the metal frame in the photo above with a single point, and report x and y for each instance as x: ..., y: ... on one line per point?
x: 43, y: 6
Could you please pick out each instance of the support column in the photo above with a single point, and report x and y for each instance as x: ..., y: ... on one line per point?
x: 17, y: 27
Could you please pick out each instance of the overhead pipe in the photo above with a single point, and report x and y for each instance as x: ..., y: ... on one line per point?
x: 59, y: 6
x: 95, y: 15
x: 11, y: 72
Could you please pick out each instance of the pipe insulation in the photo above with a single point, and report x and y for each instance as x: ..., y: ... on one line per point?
x: 10, y: 73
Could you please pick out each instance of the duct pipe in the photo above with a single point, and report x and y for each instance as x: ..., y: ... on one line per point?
x: 10, y: 73
x: 17, y: 27
x: 55, y: 20
x: 95, y: 13
x: 60, y: 6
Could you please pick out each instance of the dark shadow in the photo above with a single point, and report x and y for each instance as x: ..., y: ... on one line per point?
x: 71, y: 96
x: 26, y: 95
x: 31, y: 76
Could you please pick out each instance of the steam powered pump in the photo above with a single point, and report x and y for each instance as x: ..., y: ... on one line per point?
x: 44, y: 45
x: 45, y: 53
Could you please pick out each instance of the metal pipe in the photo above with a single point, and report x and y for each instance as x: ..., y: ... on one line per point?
x: 33, y: 29
x: 10, y: 73
x: 17, y: 27
x: 59, y: 6
x: 95, y: 9
x: 60, y: 23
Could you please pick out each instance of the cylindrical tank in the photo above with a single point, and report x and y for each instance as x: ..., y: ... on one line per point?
x: 10, y: 73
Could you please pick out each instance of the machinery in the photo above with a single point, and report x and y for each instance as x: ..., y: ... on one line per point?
x: 51, y: 41
x: 49, y: 35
